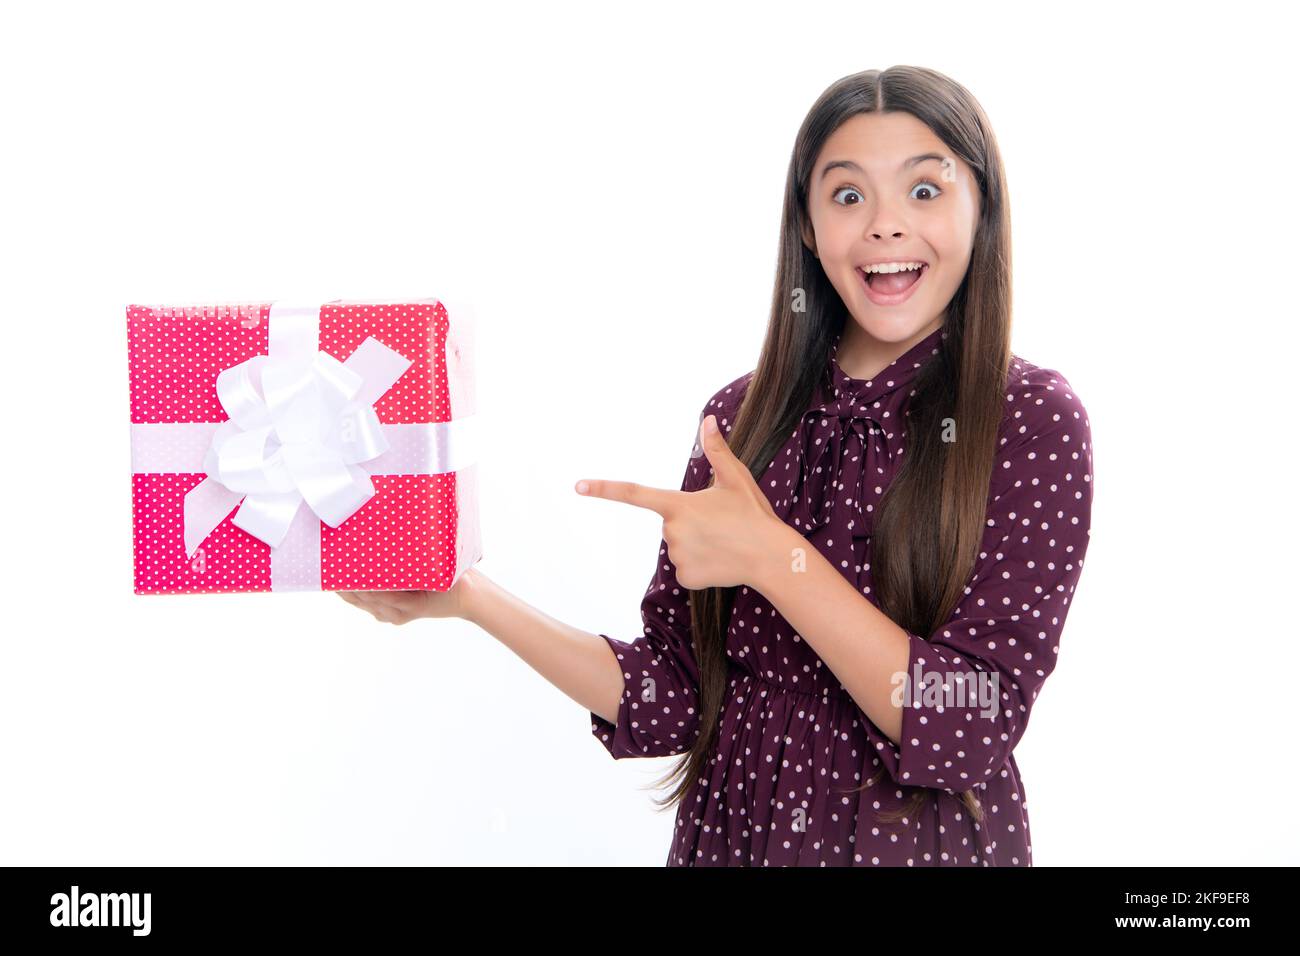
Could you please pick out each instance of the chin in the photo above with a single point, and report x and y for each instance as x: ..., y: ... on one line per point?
x: 891, y: 329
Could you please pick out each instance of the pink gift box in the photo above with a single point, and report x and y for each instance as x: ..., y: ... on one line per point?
x: 285, y: 446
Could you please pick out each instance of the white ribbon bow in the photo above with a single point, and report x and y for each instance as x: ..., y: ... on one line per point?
x: 300, y: 423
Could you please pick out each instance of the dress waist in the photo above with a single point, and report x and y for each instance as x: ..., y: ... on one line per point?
x: 825, y: 694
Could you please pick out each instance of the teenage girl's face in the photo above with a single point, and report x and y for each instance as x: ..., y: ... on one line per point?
x: 879, y: 201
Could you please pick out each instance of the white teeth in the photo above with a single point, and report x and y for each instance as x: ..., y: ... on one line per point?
x: 893, y: 267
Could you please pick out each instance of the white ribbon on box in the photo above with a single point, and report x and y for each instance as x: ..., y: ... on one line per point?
x: 300, y: 446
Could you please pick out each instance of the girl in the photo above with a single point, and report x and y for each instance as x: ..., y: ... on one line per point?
x: 865, y: 574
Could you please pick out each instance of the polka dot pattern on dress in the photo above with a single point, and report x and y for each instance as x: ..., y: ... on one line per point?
x: 793, y: 743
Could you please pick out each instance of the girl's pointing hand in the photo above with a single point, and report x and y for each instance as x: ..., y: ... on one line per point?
x: 721, y: 536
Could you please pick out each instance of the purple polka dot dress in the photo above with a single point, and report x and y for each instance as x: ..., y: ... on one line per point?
x: 793, y: 745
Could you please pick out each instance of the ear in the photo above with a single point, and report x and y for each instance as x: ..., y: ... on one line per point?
x: 809, y: 237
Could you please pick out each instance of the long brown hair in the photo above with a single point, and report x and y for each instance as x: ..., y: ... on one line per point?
x: 931, y: 519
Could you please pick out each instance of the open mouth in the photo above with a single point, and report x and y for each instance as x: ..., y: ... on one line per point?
x: 891, y: 288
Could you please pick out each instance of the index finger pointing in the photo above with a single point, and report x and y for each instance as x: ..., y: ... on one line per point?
x: 629, y: 492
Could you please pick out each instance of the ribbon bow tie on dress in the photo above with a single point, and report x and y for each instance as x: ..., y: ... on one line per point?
x: 839, y: 435
x: 844, y: 446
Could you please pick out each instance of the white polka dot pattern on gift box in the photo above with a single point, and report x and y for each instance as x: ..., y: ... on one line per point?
x: 418, y: 531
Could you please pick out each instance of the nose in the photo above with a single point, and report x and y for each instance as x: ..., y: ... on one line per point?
x: 887, y: 221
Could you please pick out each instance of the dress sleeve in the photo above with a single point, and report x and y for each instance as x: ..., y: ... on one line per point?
x: 970, y: 687
x: 658, y: 714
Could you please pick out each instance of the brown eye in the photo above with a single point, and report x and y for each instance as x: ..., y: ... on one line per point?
x: 848, y: 189
x: 928, y: 187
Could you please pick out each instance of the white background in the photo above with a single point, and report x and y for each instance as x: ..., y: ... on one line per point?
x: 604, y: 183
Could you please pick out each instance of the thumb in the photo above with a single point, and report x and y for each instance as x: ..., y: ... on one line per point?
x: 728, y: 470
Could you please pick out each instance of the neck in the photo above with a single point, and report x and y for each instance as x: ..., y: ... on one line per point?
x: 861, y: 355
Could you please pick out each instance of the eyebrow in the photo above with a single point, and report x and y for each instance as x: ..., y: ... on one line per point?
x: 850, y: 164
